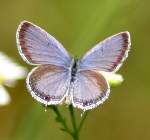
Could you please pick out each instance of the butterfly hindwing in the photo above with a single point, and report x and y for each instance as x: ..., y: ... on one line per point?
x: 48, y: 84
x: 89, y: 90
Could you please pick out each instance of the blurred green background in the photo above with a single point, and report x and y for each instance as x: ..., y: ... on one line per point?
x: 80, y: 24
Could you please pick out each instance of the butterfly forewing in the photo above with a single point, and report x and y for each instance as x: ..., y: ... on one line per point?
x: 48, y: 84
x: 36, y: 46
x: 108, y: 54
x: 89, y: 90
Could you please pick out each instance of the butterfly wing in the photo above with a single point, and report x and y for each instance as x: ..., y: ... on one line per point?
x: 107, y: 55
x: 36, y: 46
x: 89, y: 90
x: 48, y: 84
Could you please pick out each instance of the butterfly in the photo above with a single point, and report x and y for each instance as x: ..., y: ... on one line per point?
x: 58, y: 76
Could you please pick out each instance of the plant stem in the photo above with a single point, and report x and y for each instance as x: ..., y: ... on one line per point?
x: 82, y: 121
x: 73, y: 120
x: 60, y: 119
x: 65, y: 128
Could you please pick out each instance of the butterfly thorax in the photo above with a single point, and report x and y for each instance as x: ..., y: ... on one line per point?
x: 74, y: 70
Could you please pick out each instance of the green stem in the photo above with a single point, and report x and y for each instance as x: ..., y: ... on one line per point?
x: 73, y: 120
x: 60, y: 119
x: 82, y: 121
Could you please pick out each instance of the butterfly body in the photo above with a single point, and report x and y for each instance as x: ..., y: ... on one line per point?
x: 74, y: 69
x: 58, y: 76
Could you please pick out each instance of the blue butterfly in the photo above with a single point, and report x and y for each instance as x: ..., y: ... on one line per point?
x: 58, y: 77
